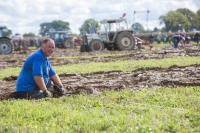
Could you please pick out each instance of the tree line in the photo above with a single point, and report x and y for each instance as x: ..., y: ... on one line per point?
x: 182, y: 18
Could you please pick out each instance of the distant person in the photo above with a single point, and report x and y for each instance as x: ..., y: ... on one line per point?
x: 196, y: 37
x: 159, y: 37
x: 176, y: 39
x: 40, y: 42
x: 37, y: 78
x: 151, y: 38
x: 169, y: 39
x: 187, y: 39
x: 36, y: 42
x: 74, y: 40
x: 164, y: 36
x: 31, y: 42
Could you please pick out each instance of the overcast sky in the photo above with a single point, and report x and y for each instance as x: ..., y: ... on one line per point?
x: 24, y: 16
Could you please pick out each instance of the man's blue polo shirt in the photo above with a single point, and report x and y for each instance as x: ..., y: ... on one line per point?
x: 35, y: 65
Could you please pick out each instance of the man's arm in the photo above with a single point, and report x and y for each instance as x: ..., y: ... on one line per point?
x: 58, y: 85
x: 56, y: 80
x: 40, y: 82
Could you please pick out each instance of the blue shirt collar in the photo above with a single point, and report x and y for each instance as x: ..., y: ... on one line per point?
x: 40, y: 50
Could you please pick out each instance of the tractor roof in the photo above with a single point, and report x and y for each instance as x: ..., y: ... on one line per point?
x: 112, y: 20
x: 60, y: 32
x: 2, y: 27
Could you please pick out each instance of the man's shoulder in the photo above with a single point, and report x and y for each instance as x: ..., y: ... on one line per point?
x: 37, y: 55
x: 38, y: 52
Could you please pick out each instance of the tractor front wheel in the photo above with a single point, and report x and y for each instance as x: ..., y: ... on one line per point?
x: 96, y: 45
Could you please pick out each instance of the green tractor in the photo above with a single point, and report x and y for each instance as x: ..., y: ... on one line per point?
x: 62, y: 39
x: 6, y: 47
x: 114, y: 34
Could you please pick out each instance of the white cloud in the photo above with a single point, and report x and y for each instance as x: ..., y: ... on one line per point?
x: 24, y: 16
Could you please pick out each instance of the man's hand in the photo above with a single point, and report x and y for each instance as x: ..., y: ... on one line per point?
x: 60, y: 90
x: 63, y: 91
x: 47, y: 93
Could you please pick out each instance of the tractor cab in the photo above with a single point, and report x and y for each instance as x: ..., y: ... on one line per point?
x: 6, y: 46
x: 3, y: 31
x: 109, y: 28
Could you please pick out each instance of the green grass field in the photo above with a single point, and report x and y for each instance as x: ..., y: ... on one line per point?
x: 165, y: 110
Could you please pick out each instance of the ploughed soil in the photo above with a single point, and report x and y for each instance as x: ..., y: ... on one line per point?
x: 97, y: 82
x: 65, y: 56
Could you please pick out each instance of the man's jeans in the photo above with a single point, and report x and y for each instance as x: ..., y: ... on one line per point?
x: 36, y: 93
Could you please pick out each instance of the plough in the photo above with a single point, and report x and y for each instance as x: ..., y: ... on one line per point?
x: 20, y: 45
x: 140, y: 42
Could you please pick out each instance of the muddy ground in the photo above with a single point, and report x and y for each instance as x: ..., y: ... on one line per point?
x: 97, y: 82
x: 16, y: 59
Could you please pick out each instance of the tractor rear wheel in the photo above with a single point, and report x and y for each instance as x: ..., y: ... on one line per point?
x: 68, y: 43
x: 125, y: 41
x: 96, y: 45
x: 6, y: 46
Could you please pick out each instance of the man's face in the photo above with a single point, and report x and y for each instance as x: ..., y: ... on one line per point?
x: 48, y: 48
